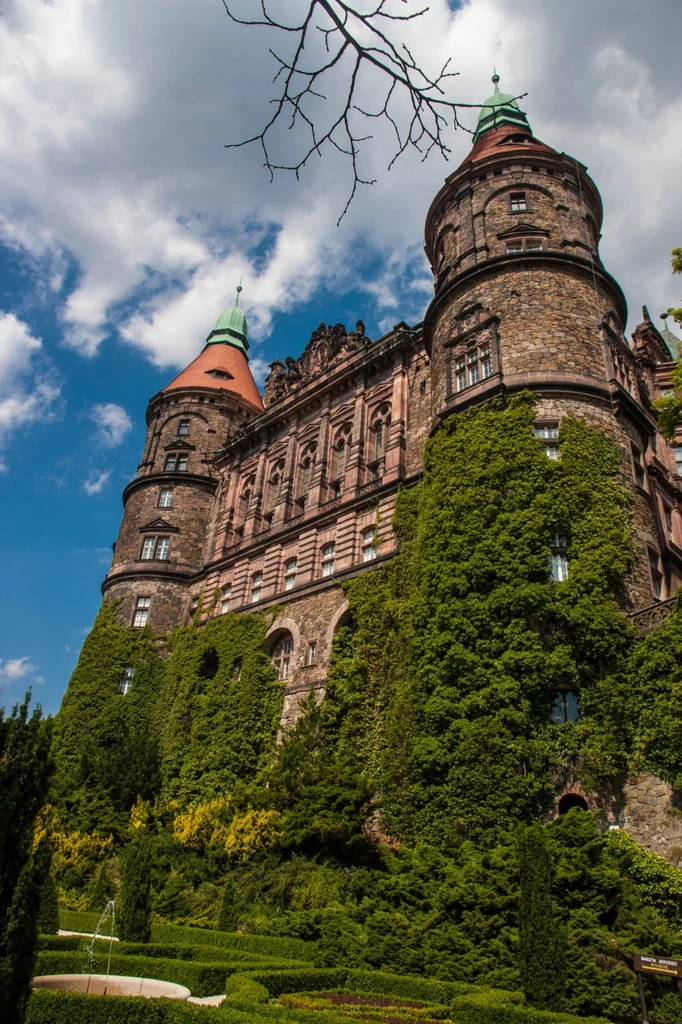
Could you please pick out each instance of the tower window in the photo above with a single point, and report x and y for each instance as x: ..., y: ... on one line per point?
x: 177, y: 461
x: 565, y: 708
x: 656, y: 574
x: 225, y: 596
x: 256, y: 586
x: 549, y: 433
x: 290, y: 574
x: 558, y: 559
x: 422, y: 387
x: 312, y: 652
x: 141, y: 614
x: 677, y: 452
x: 166, y: 497
x: 518, y: 245
x: 472, y: 367
x: 126, y: 681
x: 369, y: 551
x: 638, y: 470
x: 327, y: 559
x: 156, y: 548
x: 183, y: 428
x: 517, y: 202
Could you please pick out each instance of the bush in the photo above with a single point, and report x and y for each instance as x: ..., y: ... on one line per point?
x: 81, y: 921
x: 48, y: 915
x: 427, y: 989
x: 135, y: 902
x: 305, y: 980
x: 201, y: 979
x: 486, y: 1008
x: 245, y: 991
x: 263, y: 945
x: 50, y: 1007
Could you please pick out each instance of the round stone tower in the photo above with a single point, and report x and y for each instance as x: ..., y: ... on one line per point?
x: 522, y: 300
x: 168, y: 506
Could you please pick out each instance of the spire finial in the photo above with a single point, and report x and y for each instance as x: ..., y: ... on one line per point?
x: 239, y: 289
x: 496, y: 79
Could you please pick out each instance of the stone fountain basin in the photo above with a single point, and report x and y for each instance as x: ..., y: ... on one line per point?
x: 114, y: 985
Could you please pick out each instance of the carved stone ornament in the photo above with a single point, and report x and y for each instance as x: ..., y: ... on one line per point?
x: 328, y: 345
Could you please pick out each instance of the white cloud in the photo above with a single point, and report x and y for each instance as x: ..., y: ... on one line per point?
x: 96, y: 482
x: 112, y: 421
x: 28, y: 390
x: 16, y: 668
x: 112, y: 125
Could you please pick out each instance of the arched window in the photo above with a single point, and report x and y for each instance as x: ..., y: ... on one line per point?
x: 378, y: 440
x: 282, y: 654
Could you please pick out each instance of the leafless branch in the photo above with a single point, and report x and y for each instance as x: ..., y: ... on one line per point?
x: 354, y: 40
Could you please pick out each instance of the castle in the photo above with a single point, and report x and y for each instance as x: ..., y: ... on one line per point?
x: 242, y: 502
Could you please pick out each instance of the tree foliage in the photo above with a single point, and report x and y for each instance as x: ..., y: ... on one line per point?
x: 134, y: 902
x: 542, y: 941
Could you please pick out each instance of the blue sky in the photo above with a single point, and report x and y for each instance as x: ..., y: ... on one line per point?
x: 125, y: 224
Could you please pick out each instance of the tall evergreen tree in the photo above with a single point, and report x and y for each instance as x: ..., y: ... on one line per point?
x: 227, y: 915
x: 542, y: 939
x: 134, y: 903
x: 25, y: 769
x: 48, y: 917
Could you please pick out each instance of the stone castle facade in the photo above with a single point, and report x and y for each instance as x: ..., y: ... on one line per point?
x: 273, y: 501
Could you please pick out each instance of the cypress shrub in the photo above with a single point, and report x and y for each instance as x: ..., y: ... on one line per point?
x: 227, y: 915
x: 542, y: 940
x: 48, y: 915
x: 102, y: 891
x: 135, y: 904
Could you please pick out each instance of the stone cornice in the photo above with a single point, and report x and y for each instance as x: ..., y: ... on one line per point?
x: 148, y: 572
x: 209, y: 483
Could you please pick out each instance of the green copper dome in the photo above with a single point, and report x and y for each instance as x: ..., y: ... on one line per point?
x: 500, y: 108
x: 672, y: 342
x: 230, y: 327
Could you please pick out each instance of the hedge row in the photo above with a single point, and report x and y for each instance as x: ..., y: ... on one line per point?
x: 202, y: 979
x: 484, y: 1009
x: 52, y: 1007
x: 204, y: 954
x: 430, y: 990
x: 262, y: 945
x: 302, y: 980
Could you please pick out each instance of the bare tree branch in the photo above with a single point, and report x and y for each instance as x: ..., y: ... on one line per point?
x: 354, y: 41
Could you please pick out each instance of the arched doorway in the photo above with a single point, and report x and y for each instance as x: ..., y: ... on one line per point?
x: 570, y: 800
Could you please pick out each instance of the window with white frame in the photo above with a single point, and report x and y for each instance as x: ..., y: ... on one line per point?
x: 194, y: 606
x: 549, y: 433
x: 638, y: 470
x: 558, y: 559
x: 141, y: 613
x: 282, y: 655
x: 312, y: 652
x: 369, y: 551
x: 516, y: 245
x: 225, y: 595
x: 657, y: 579
x: 290, y: 574
x: 183, y: 428
x: 565, y: 708
x: 177, y: 462
x: 155, y: 548
x: 327, y: 559
x: 517, y: 202
x: 473, y: 366
x: 166, y: 497
x: 677, y: 452
x: 256, y: 586
x: 126, y: 680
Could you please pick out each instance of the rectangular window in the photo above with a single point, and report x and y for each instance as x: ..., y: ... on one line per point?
x: 638, y: 467
x: 312, y: 652
x: 126, y: 681
x: 546, y: 430
x: 677, y: 451
x: 183, y: 428
x: 183, y: 460
x: 162, y: 549
x: 148, y: 547
x: 368, y: 549
x: 558, y: 559
x: 328, y: 552
x: 171, y: 462
x: 142, y: 606
x: 166, y: 497
x: 460, y: 374
x: 549, y: 433
x: 486, y: 362
x: 533, y: 245
x: 225, y: 598
x: 256, y: 585
x: 473, y: 372
x: 656, y: 574
x: 513, y: 247
x: 517, y: 202
x: 565, y: 708
x: 552, y: 451
x: 290, y: 574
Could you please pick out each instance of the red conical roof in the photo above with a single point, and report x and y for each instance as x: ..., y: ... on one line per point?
x: 224, y: 367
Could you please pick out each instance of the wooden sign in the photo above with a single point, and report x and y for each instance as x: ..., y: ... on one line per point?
x: 658, y: 965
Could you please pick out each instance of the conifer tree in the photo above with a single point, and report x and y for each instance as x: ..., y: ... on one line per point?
x: 134, y: 904
x: 227, y: 915
x: 102, y: 889
x: 25, y: 769
x: 541, y: 936
x: 48, y: 917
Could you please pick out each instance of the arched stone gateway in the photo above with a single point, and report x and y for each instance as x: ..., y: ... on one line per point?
x: 570, y: 800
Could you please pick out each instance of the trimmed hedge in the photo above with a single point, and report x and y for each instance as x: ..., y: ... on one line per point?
x: 240, y: 990
x: 283, y: 948
x: 202, y: 979
x: 303, y: 980
x: 486, y: 1008
x: 52, y: 1007
x: 429, y: 990
x: 203, y: 954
